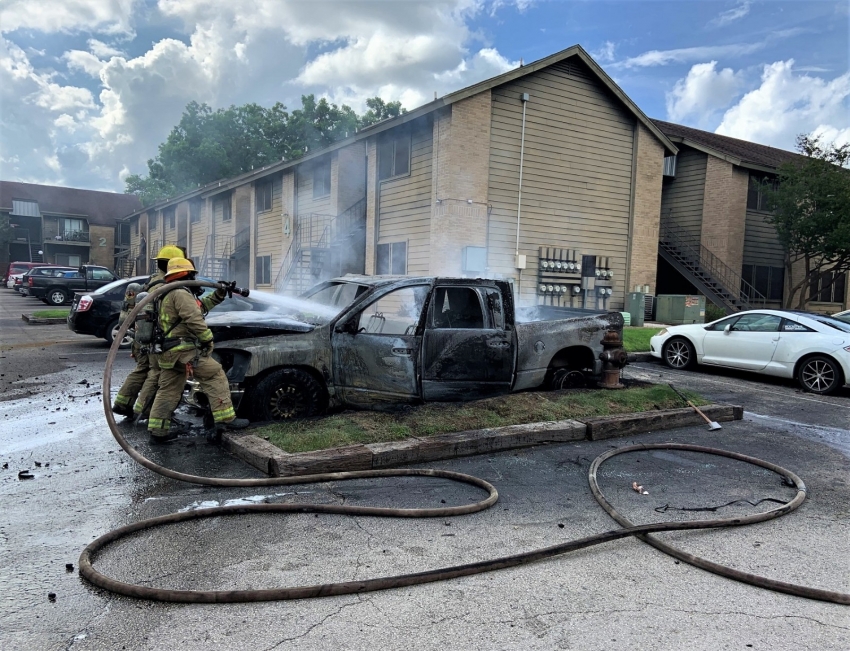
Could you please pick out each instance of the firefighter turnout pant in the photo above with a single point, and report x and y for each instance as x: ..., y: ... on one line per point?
x: 146, y: 395
x: 134, y: 383
x: 172, y: 380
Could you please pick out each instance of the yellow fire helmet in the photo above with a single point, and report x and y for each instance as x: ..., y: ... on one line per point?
x: 170, y: 251
x: 178, y: 266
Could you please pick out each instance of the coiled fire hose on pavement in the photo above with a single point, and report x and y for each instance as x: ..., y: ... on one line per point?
x: 643, y: 532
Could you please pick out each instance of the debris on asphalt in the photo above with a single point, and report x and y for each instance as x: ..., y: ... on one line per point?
x: 51, y: 596
x: 639, y: 489
x: 25, y: 474
x: 69, y: 567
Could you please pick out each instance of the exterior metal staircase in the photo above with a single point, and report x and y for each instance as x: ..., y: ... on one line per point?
x: 708, y: 273
x: 221, y: 251
x: 320, y: 249
x: 35, y: 253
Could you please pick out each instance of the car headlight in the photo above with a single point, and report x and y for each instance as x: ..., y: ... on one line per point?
x: 661, y: 332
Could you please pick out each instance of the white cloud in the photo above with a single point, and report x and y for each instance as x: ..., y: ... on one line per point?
x: 731, y: 15
x: 786, y: 104
x: 688, y: 54
x: 101, y: 50
x: 605, y: 54
x: 703, y: 92
x: 236, y: 52
x: 85, y: 61
x: 106, y: 16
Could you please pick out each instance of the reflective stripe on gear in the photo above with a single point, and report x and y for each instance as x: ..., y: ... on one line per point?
x: 224, y: 415
x: 159, y: 424
x: 122, y: 400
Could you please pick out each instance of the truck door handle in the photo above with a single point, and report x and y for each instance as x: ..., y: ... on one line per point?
x: 403, y: 352
x: 498, y: 344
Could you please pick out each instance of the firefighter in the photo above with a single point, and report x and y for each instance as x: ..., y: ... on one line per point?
x: 137, y: 391
x: 187, y: 341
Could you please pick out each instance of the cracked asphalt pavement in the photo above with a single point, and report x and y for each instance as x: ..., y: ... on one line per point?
x: 622, y: 595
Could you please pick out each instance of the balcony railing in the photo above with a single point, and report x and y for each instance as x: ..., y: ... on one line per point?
x: 72, y: 236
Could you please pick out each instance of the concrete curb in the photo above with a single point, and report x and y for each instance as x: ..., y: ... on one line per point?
x: 31, y: 320
x: 275, y: 462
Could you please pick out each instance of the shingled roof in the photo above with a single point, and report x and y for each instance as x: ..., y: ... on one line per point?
x: 748, y: 153
x: 100, y: 208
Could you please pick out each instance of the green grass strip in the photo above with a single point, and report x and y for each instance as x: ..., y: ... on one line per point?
x: 58, y: 313
x: 636, y: 340
x: 351, y: 427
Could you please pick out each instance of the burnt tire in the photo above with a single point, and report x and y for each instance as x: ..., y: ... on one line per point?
x: 819, y: 374
x: 567, y: 378
x: 679, y: 353
x: 57, y: 296
x: 286, y: 394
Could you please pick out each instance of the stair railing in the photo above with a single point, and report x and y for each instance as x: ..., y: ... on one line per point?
x: 744, y: 294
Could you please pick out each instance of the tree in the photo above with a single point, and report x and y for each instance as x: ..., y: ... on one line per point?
x: 811, y: 213
x: 208, y: 145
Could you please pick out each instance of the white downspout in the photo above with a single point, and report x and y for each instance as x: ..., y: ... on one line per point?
x: 524, y: 98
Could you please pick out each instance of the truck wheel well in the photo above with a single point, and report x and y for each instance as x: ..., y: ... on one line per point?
x: 256, y: 379
x: 574, y: 357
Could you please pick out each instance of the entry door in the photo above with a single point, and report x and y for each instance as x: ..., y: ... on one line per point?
x: 749, y: 343
x: 377, y: 361
x: 467, y: 352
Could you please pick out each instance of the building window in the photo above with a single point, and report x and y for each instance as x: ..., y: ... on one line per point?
x: 68, y: 260
x: 392, y: 259
x: 757, y: 193
x: 226, y: 209
x: 73, y: 230
x: 136, y: 226
x: 264, y: 196
x: 263, y: 271
x: 828, y: 287
x: 322, y: 179
x: 767, y: 281
x: 195, y: 212
x: 170, y: 215
x: 394, y: 156
x: 154, y: 220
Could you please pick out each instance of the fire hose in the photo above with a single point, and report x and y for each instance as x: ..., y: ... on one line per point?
x: 643, y: 532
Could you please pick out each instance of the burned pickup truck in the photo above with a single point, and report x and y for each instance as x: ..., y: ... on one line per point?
x: 373, y: 341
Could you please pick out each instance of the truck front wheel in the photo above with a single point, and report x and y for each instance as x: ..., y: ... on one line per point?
x: 286, y: 394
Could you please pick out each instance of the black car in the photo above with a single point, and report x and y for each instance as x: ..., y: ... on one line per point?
x: 96, y: 313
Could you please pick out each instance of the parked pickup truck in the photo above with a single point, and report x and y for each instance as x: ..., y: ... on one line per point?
x: 370, y: 341
x: 58, y: 290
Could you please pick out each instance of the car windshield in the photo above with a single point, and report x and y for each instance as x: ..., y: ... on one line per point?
x: 116, y: 284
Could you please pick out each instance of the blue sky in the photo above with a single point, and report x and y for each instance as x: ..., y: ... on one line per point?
x: 89, y: 88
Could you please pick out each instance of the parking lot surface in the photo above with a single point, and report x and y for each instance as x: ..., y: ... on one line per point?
x: 622, y: 595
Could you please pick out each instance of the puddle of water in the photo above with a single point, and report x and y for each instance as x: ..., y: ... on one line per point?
x: 237, y: 501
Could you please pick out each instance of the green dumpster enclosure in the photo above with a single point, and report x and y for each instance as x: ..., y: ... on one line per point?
x: 679, y: 309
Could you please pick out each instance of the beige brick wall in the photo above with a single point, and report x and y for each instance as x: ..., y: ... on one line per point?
x: 371, y: 203
x: 646, y: 211
x: 461, y: 159
x: 724, y: 211
x: 102, y: 246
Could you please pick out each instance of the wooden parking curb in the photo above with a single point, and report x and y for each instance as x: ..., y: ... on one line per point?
x: 275, y: 462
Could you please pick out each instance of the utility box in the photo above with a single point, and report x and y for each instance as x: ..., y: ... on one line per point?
x: 636, y: 307
x: 679, y: 309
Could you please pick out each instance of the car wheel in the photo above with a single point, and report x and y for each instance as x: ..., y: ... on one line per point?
x: 57, y: 297
x: 678, y: 353
x: 112, y: 331
x: 565, y: 378
x: 286, y: 394
x: 819, y: 374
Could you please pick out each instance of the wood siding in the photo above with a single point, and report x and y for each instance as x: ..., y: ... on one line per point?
x: 761, y: 243
x: 682, y: 197
x: 305, y: 204
x: 404, y: 213
x: 577, y: 171
x: 269, y: 230
x: 199, y: 230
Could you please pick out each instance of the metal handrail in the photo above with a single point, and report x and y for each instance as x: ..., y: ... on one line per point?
x: 705, y: 261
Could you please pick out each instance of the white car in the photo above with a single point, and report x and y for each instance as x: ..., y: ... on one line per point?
x: 813, y: 348
x: 842, y: 316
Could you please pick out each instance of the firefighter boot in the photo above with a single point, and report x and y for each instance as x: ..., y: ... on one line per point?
x: 122, y: 410
x: 160, y: 436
